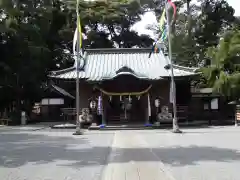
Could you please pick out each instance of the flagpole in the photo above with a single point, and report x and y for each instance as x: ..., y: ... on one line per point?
x: 78, y: 123
x: 173, y: 89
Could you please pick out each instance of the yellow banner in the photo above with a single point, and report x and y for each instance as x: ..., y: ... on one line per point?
x: 162, y: 20
x: 79, y: 25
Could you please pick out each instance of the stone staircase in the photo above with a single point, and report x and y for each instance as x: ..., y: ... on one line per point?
x: 118, y: 119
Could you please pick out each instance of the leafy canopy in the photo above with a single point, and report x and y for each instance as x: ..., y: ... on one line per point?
x: 224, y: 72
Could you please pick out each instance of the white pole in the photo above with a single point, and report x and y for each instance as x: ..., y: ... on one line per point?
x: 173, y: 91
x: 78, y: 123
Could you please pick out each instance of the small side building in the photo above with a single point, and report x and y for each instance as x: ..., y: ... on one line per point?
x: 211, y: 107
x: 54, y: 101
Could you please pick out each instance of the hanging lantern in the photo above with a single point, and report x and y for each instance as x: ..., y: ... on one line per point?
x: 127, y: 103
x: 129, y: 98
x: 110, y: 98
x: 139, y: 97
x: 120, y: 98
x: 157, y: 102
x: 93, y: 104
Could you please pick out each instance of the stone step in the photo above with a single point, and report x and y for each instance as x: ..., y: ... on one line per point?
x: 121, y: 127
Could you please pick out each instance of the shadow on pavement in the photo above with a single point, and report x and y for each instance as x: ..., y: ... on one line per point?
x: 179, y: 156
x: 21, y: 148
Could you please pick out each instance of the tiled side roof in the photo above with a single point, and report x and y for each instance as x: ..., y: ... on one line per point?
x: 103, y: 64
x: 62, y: 91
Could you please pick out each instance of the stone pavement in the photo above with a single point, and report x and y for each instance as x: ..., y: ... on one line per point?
x: 48, y: 154
x: 52, y: 154
x: 128, y: 162
x: 198, y: 154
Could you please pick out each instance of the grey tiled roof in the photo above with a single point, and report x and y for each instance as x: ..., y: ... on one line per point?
x: 103, y: 64
x: 62, y: 91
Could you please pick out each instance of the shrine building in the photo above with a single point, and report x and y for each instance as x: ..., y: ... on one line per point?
x: 128, y: 85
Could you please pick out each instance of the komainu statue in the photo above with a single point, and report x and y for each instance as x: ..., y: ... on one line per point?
x: 85, y: 118
x: 164, y: 116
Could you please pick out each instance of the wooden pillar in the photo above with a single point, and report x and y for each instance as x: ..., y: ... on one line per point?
x: 147, y: 109
x: 103, y: 110
x: 147, y: 123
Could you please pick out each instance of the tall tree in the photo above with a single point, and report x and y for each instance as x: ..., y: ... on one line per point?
x: 204, y: 24
x: 223, y: 74
x: 215, y: 17
x: 28, y: 36
x: 108, y: 23
x: 36, y: 37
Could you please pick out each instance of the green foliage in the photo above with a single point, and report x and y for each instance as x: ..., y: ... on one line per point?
x: 107, y: 23
x: 199, y: 28
x: 224, y: 72
x: 35, y: 36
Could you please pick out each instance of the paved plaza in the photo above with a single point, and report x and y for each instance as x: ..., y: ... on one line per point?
x: 45, y: 154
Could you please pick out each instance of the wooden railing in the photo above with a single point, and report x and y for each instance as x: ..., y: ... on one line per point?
x: 182, y: 112
x: 69, y: 113
x: 5, y: 121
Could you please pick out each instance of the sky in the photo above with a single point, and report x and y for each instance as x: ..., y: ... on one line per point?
x: 149, y: 18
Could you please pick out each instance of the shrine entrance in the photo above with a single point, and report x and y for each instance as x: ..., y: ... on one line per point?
x: 125, y: 100
x: 127, y: 110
